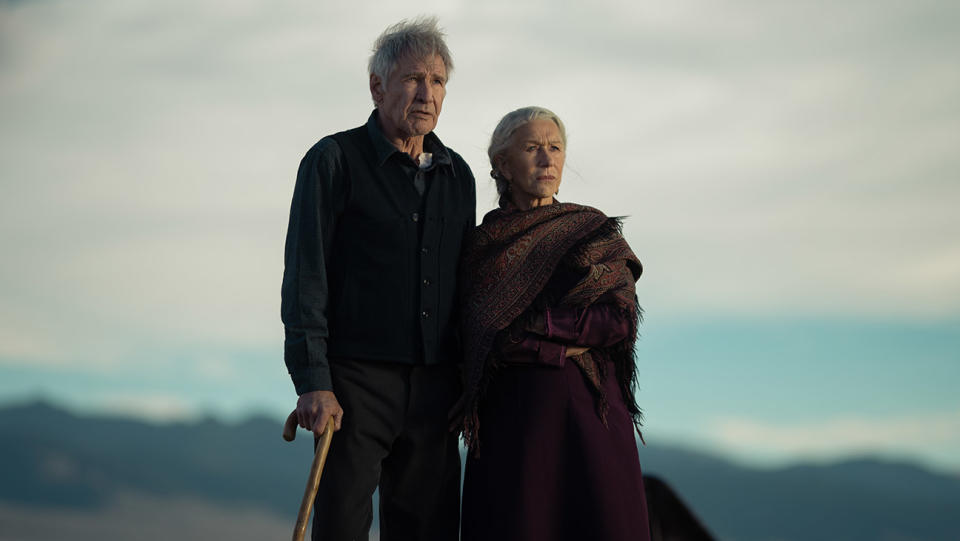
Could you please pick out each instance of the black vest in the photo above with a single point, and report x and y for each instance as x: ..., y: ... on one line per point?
x: 393, y: 266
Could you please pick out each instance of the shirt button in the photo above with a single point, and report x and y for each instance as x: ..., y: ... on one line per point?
x: 425, y: 314
x: 426, y: 281
x: 415, y: 217
x: 424, y: 251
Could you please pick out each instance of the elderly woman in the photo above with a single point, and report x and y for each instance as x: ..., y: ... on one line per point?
x: 549, y: 324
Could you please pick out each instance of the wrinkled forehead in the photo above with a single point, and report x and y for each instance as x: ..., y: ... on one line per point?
x: 538, y: 130
x: 430, y: 64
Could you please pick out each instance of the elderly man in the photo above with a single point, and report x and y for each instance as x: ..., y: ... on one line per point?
x: 378, y: 216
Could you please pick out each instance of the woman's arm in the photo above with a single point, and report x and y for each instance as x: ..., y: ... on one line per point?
x: 536, y: 349
x: 598, y: 325
x: 565, y: 332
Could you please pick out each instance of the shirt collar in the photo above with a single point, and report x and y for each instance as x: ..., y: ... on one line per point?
x: 384, y: 148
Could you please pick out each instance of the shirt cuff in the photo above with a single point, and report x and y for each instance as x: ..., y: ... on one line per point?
x: 551, y: 353
x: 561, y: 323
x: 312, y: 379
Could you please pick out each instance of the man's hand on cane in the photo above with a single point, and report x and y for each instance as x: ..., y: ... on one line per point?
x: 315, y: 403
x: 315, y: 407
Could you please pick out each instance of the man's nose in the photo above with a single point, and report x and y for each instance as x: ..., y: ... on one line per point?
x: 424, y: 92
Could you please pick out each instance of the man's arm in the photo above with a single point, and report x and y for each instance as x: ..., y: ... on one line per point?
x: 318, y: 199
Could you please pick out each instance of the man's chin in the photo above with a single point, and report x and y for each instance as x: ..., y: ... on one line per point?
x: 420, y: 128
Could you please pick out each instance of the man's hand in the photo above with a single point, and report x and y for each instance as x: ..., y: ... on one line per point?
x: 315, y: 408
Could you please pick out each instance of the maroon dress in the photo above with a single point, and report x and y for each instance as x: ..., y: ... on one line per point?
x: 547, y: 468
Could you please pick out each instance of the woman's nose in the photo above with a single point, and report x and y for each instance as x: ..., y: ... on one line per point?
x: 544, y: 158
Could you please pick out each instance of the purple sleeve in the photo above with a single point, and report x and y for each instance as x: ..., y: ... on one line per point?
x: 595, y: 326
x: 534, y: 349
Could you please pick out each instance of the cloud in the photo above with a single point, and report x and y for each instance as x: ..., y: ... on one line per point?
x: 24, y: 342
x: 773, y: 163
x: 804, y: 161
x: 933, y: 434
x: 157, y: 407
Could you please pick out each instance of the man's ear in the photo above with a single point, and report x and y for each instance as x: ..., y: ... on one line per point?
x: 376, y: 89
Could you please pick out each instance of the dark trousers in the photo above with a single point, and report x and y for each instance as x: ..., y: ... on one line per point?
x: 394, y: 435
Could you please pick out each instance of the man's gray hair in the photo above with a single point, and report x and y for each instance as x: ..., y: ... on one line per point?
x: 503, y: 135
x: 420, y: 38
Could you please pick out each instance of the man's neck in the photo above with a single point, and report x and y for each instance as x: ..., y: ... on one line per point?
x: 413, y: 146
x: 410, y: 145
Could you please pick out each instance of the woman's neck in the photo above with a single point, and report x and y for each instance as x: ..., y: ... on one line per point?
x: 527, y: 203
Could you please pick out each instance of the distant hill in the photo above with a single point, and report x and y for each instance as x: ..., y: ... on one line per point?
x: 51, y: 457
x: 865, y: 499
x: 57, y: 464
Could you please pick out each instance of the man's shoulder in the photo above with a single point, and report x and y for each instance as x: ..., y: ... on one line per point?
x: 330, y: 146
x: 455, y: 156
x: 460, y: 166
x: 325, y: 147
x: 324, y: 157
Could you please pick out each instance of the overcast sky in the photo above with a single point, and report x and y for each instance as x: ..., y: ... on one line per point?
x: 789, y: 169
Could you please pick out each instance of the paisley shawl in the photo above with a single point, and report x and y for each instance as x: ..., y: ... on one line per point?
x: 504, y: 271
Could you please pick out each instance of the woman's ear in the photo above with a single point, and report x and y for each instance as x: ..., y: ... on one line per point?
x: 504, y: 173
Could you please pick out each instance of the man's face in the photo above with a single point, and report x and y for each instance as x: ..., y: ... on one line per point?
x: 410, y: 101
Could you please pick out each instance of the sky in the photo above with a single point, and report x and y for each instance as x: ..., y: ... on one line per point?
x: 789, y: 173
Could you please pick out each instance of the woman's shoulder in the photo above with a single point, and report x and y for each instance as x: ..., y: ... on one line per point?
x: 507, y: 219
x: 576, y: 207
x: 506, y: 211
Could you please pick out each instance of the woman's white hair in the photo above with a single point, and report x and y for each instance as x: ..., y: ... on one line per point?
x: 420, y: 38
x: 503, y: 135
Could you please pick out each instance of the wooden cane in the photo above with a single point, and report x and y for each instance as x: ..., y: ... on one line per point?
x: 313, y: 481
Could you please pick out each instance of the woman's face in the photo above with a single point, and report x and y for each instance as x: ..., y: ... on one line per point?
x: 533, y: 163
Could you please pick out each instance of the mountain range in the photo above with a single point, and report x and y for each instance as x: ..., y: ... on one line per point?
x: 100, y: 477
